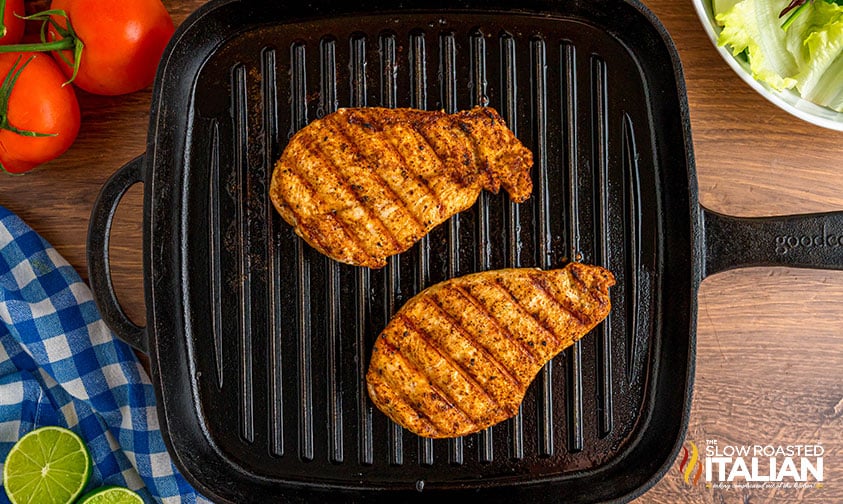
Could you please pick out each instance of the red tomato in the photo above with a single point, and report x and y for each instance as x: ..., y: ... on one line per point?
x: 124, y: 40
x: 12, y: 32
x: 38, y: 102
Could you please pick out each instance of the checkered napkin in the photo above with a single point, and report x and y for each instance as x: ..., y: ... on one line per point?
x: 60, y: 365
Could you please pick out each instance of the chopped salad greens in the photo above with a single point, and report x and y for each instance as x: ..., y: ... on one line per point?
x: 794, y: 44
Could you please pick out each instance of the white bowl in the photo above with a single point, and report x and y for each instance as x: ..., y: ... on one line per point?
x: 787, y: 100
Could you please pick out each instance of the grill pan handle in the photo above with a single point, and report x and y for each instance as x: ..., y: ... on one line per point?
x: 99, y: 270
x: 803, y: 241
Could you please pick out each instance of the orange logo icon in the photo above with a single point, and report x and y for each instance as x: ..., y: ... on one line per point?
x: 690, y: 461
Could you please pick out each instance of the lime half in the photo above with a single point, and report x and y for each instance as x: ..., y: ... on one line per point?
x: 49, y: 465
x: 111, y: 495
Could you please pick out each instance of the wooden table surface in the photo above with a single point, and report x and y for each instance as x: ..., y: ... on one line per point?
x: 769, y: 365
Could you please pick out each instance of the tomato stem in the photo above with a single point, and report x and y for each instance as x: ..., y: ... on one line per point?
x: 69, y: 40
x: 6, y: 91
x: 56, y: 45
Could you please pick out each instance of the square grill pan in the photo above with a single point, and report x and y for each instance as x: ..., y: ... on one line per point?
x: 259, y: 344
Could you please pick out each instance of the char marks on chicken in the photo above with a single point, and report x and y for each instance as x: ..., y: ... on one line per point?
x: 362, y: 184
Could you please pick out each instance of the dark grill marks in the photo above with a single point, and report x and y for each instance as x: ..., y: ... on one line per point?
x: 351, y: 239
x: 542, y: 286
x: 524, y: 311
x: 392, y: 175
x: 461, y: 176
x: 357, y: 235
x: 433, y: 344
x: 402, y: 399
x: 305, y: 229
x: 422, y: 182
x: 438, y: 395
x: 478, y: 160
x: 576, y: 276
x: 431, y: 182
x: 472, y: 120
x: 356, y: 200
x: 397, y: 393
x: 469, y: 347
x: 484, y: 311
x: 395, y: 166
x: 374, y: 176
x: 474, y: 342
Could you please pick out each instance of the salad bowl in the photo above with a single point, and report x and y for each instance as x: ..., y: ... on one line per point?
x: 788, y: 100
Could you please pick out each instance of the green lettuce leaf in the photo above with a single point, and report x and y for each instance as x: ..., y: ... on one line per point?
x: 754, y: 26
x: 820, y: 57
x: 806, y: 55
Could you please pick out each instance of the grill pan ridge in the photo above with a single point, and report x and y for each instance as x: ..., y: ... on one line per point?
x: 259, y: 349
x: 453, y: 67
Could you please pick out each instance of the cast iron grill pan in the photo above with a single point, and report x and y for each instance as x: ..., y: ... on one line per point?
x: 291, y: 340
x: 259, y: 345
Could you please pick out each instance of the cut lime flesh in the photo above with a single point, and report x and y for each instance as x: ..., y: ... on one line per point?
x: 49, y: 465
x: 111, y: 495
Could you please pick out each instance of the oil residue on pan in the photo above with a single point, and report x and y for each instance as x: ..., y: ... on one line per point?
x: 274, y: 339
x: 555, y: 94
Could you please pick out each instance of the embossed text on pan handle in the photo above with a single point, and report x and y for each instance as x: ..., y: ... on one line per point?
x: 802, y: 240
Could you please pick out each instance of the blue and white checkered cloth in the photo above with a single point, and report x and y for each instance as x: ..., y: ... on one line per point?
x: 61, y: 365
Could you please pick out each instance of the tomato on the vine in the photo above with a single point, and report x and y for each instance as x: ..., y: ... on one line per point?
x: 13, y: 23
x: 104, y: 47
x: 122, y: 42
x: 39, y: 115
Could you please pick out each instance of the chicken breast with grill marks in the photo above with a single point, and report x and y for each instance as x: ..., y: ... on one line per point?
x: 362, y: 184
x: 458, y: 357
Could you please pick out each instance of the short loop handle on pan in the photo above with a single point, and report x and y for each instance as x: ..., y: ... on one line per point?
x: 99, y: 270
x: 813, y: 240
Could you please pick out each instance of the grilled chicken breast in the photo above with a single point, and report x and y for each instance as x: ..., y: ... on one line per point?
x: 362, y: 184
x: 459, y: 356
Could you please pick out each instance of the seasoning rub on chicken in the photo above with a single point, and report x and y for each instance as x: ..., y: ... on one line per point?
x: 459, y: 356
x: 362, y: 184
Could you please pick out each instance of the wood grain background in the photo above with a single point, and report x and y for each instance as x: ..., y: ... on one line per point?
x: 770, y: 351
